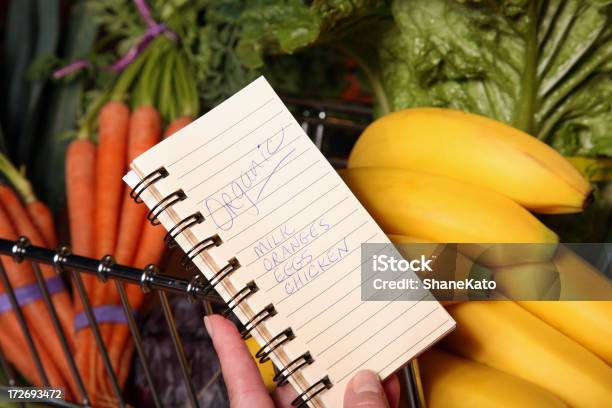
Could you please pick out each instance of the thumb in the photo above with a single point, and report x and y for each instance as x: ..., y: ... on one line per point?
x: 365, y: 391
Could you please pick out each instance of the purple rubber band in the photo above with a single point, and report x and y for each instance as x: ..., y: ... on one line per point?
x: 103, y: 314
x: 30, y: 293
x: 154, y: 29
x: 70, y: 68
x: 138, y: 48
x: 145, y: 12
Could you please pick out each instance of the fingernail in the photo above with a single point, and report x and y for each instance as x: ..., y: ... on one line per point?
x: 208, y: 326
x: 366, y: 381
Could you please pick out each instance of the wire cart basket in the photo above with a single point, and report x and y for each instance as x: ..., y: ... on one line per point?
x: 319, y: 120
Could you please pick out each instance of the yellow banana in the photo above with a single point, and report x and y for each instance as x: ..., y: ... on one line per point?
x: 440, y: 209
x: 579, y: 279
x: 531, y: 281
x: 500, y: 255
x: 521, y: 281
x: 493, y: 255
x: 451, y: 381
x: 587, y: 322
x: 266, y: 369
x: 504, y: 336
x: 476, y: 150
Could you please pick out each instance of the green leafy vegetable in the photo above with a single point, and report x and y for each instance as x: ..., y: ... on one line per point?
x: 272, y: 27
x: 339, y: 18
x: 543, y: 66
x: 228, y: 43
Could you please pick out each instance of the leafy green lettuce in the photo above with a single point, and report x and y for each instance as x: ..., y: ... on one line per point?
x: 542, y: 66
x: 272, y: 26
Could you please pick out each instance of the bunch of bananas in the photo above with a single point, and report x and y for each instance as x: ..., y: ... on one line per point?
x: 438, y: 175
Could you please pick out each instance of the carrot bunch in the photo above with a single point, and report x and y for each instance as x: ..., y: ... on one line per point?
x: 157, y: 88
x: 115, y: 224
x: 21, y: 213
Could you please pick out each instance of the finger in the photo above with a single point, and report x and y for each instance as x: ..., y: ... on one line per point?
x: 244, y: 384
x: 365, y: 391
x: 284, y: 395
x: 392, y: 390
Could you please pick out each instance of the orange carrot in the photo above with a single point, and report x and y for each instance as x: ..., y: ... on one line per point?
x: 31, y: 221
x: 145, y: 129
x: 150, y: 250
x: 36, y: 313
x: 113, y: 125
x: 18, y: 354
x: 80, y: 190
x: 24, y: 226
x: 39, y: 213
x: 110, y: 165
x: 112, y: 147
x: 43, y: 219
x: 12, y: 340
x: 19, y: 275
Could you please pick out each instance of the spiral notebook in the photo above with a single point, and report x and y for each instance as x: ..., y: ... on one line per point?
x: 272, y: 227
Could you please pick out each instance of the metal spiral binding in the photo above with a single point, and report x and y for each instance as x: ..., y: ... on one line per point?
x: 204, y: 245
x: 263, y: 315
x: 282, y: 338
x: 164, y: 204
x: 250, y: 288
x: 263, y: 354
x: 182, y: 226
x: 223, y: 273
x: 146, y: 182
x: 282, y: 377
x: 311, y: 392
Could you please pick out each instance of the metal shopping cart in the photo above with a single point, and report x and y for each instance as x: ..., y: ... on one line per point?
x: 333, y: 127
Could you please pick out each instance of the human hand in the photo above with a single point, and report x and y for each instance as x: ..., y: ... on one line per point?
x: 247, y: 390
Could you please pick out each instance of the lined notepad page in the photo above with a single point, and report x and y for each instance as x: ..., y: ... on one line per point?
x: 296, y: 230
